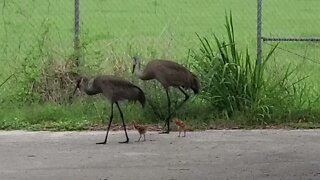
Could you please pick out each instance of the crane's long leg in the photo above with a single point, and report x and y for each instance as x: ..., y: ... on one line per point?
x: 111, y: 117
x: 180, y: 105
x: 124, y: 125
x: 176, y: 108
x: 139, y: 138
x: 185, y: 99
x: 167, y: 120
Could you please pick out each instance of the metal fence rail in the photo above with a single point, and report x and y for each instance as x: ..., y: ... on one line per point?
x: 76, y: 31
x: 275, y: 22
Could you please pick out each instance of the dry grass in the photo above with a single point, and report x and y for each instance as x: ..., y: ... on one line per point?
x: 55, y: 82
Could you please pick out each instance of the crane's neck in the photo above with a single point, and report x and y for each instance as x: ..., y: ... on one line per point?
x: 87, y: 86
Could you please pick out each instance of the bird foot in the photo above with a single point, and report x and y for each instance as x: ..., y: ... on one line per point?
x: 101, y: 143
x: 122, y: 142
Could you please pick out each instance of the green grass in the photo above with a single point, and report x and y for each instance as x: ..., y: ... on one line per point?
x: 151, y: 28
x: 33, y: 32
x: 119, y: 29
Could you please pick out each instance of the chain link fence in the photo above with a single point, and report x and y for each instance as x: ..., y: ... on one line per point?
x: 295, y: 26
x: 287, y: 18
x: 118, y: 29
x: 151, y: 28
x: 31, y: 27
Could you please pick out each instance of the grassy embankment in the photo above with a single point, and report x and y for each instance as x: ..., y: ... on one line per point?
x: 36, y: 41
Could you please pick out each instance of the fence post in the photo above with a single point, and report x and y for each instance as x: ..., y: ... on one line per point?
x: 259, y: 38
x: 76, y: 32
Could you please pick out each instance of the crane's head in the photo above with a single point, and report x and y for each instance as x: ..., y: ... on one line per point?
x: 135, y: 62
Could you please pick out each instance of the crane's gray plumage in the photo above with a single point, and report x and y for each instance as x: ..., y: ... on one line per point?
x: 169, y: 74
x: 114, y: 89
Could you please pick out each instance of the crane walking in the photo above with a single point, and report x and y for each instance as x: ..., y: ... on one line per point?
x: 114, y: 89
x: 169, y: 74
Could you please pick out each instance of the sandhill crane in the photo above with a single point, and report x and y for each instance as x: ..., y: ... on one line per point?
x: 169, y: 74
x: 114, y: 89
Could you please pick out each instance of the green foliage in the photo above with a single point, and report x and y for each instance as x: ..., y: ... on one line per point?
x: 234, y: 82
x: 235, y: 92
x: 49, y: 116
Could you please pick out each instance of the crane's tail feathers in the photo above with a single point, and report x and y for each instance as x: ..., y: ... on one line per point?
x: 141, y: 97
x: 195, y: 85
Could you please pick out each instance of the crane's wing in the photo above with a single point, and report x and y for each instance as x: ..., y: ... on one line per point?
x: 118, y: 89
x: 174, y: 74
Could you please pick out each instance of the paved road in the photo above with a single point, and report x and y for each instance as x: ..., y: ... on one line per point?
x: 231, y: 154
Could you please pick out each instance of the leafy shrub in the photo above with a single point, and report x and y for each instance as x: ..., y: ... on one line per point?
x: 233, y: 82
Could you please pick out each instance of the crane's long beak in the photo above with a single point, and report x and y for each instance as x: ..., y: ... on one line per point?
x: 133, y: 68
x: 75, y: 89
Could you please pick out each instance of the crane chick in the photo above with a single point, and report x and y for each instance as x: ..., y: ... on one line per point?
x: 141, y: 129
x: 182, y: 126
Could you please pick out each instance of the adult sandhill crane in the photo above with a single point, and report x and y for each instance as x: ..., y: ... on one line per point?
x: 114, y: 89
x: 169, y: 74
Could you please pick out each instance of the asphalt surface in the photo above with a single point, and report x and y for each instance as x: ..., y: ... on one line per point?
x: 217, y: 154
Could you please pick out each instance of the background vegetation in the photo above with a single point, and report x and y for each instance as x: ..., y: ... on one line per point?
x: 36, y: 39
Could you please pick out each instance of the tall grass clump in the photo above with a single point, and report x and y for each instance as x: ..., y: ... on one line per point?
x: 233, y: 82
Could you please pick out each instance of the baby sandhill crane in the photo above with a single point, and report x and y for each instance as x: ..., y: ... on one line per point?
x: 169, y: 74
x: 114, y: 89
x: 182, y: 126
x: 141, y: 129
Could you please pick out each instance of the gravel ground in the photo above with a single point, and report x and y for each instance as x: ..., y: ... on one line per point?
x: 216, y: 154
